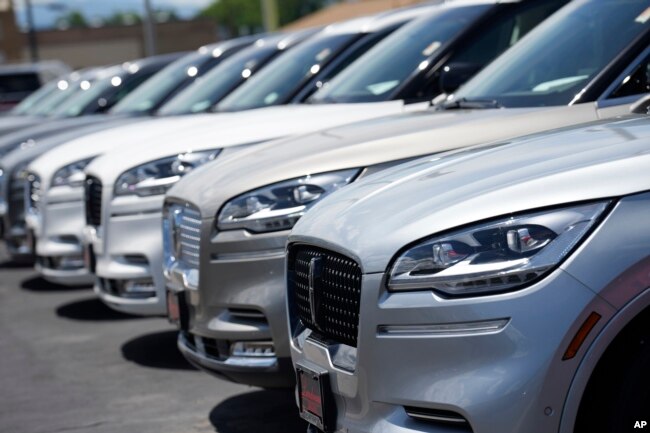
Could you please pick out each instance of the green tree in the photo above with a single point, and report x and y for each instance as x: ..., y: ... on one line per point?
x: 238, y: 16
x: 73, y: 19
x: 123, y: 19
x: 245, y: 16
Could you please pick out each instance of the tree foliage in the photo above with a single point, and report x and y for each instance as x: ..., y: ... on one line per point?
x: 73, y: 19
x: 245, y: 16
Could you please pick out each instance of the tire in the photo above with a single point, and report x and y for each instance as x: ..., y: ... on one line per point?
x: 617, y: 397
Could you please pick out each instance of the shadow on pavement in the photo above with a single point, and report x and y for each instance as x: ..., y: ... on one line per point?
x: 268, y: 411
x: 91, y: 310
x: 156, y: 350
x: 38, y: 284
x: 10, y: 264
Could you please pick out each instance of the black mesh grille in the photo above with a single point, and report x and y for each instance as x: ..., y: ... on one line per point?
x: 16, y: 200
x: 336, y: 292
x: 93, y: 201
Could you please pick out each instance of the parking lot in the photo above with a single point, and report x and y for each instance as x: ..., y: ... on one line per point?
x: 70, y: 364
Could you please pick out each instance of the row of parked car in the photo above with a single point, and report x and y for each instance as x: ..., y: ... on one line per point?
x: 484, y: 267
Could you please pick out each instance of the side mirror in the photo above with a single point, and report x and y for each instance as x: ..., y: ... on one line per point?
x: 641, y: 106
x: 455, y: 75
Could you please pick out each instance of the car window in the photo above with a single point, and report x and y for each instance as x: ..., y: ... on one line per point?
x: 91, y: 93
x: 552, y: 66
x: 209, y: 89
x: 504, y: 30
x: 383, y: 68
x: 280, y: 79
x: 54, y: 101
x: 19, y: 83
x: 636, y: 83
x: 339, y: 64
x: 157, y: 89
x: 28, y: 105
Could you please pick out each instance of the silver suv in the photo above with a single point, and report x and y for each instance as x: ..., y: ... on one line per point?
x: 500, y: 289
x: 228, y: 222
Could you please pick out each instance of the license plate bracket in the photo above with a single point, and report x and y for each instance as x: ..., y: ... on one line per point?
x: 315, y: 397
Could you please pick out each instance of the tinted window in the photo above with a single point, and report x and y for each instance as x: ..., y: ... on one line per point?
x: 19, y: 83
x: 29, y: 104
x: 558, y: 59
x: 637, y: 83
x: 282, y: 77
x: 54, y: 101
x: 77, y: 104
x: 511, y: 24
x: 381, y: 70
x: 157, y: 89
x: 206, y: 91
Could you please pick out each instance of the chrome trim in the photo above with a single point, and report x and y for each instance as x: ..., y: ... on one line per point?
x: 434, y: 417
x: 233, y: 362
x: 443, y: 329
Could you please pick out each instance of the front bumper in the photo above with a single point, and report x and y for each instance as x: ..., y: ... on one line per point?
x: 486, y: 381
x: 128, y: 253
x: 260, y: 372
x: 240, y: 298
x: 12, y: 223
x: 58, y: 230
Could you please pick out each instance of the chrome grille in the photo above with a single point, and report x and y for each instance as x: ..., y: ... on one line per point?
x: 184, y: 233
x: 331, y: 305
x: 93, y: 196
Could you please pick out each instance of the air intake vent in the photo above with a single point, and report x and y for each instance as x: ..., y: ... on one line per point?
x: 93, y: 201
x: 439, y: 416
x: 16, y: 199
x: 326, y: 292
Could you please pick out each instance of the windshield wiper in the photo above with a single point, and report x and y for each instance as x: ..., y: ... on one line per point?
x: 464, y: 103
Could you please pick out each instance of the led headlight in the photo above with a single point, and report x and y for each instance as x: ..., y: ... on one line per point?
x: 496, y: 256
x: 156, y: 177
x: 279, y: 206
x: 71, y: 174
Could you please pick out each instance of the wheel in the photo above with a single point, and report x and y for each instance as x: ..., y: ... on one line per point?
x: 617, y: 398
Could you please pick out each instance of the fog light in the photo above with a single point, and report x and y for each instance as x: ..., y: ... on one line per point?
x: 69, y: 262
x: 138, y: 286
x: 143, y: 288
x: 252, y: 349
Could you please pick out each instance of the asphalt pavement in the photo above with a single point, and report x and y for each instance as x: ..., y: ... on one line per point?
x: 70, y: 364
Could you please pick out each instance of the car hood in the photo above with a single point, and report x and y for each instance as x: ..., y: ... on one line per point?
x: 228, y: 130
x: 365, y: 144
x: 97, y: 143
x: 32, y: 145
x: 10, y: 123
x: 372, y: 219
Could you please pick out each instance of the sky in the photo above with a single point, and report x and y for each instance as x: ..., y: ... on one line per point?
x: 45, y: 17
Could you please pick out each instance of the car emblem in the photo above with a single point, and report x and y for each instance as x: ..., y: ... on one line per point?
x: 315, y: 274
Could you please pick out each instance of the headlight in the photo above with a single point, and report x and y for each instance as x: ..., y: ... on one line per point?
x: 72, y: 174
x: 497, y: 256
x: 279, y: 206
x: 157, y: 177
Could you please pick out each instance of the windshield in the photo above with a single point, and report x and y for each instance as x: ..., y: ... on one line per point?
x: 90, y: 92
x: 281, y: 78
x: 381, y: 70
x: 66, y: 91
x: 554, y: 63
x: 161, y: 85
x: 28, y: 105
x: 206, y: 91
